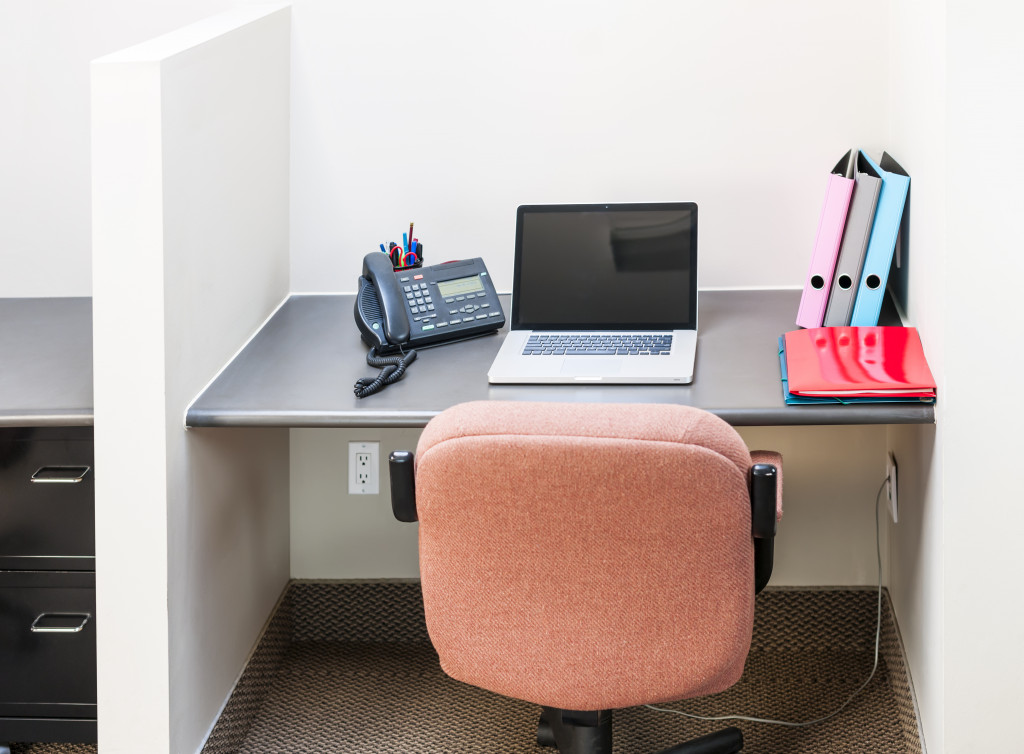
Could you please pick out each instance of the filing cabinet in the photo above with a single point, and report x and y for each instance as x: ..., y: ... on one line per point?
x: 47, y: 585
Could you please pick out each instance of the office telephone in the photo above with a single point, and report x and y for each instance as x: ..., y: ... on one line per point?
x: 418, y: 307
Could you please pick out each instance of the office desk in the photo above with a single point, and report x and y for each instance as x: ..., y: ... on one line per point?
x: 299, y: 369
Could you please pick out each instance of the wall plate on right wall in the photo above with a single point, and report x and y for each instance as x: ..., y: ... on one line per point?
x: 892, y: 486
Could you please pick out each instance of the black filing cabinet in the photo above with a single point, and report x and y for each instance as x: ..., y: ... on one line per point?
x: 47, y: 585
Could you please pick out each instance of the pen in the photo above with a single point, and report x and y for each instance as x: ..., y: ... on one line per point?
x: 383, y: 249
x: 405, y: 243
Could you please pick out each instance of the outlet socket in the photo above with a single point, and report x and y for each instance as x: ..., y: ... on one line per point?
x: 364, y: 468
x: 892, y: 486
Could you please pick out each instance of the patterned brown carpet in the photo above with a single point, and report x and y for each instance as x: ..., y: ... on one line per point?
x: 348, y: 697
x: 346, y: 667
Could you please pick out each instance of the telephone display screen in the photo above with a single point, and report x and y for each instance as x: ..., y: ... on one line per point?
x: 459, y: 286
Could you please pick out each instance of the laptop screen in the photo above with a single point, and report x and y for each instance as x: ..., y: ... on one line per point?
x: 605, y: 266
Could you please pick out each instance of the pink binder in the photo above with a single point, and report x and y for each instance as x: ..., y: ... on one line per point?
x: 826, y: 244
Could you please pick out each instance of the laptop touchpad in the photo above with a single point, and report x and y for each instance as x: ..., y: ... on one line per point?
x: 585, y: 366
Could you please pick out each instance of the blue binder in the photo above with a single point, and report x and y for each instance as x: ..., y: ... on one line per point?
x: 884, y: 232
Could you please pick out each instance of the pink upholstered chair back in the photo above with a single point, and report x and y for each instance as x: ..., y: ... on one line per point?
x: 586, y: 556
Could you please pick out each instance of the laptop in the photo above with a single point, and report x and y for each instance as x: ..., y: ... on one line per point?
x: 602, y: 293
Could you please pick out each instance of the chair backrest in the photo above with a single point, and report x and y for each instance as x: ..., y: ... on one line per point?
x: 586, y: 556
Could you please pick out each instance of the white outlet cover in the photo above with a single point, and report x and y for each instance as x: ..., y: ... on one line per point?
x: 371, y: 485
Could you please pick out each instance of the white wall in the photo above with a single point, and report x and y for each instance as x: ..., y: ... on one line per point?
x: 560, y: 102
x: 956, y: 117
x: 190, y: 200
x: 982, y: 511
x: 452, y: 113
x: 45, y: 49
x: 918, y: 138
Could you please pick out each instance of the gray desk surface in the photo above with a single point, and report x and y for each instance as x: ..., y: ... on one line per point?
x: 45, y: 362
x: 300, y: 368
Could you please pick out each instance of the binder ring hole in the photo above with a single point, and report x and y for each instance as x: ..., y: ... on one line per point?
x: 817, y: 282
x: 873, y: 281
x: 845, y: 282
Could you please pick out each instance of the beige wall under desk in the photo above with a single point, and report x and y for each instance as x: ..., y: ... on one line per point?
x: 827, y: 536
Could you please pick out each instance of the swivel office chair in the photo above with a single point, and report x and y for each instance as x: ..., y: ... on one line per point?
x: 590, y: 557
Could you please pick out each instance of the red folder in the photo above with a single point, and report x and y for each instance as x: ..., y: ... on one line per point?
x: 858, y: 362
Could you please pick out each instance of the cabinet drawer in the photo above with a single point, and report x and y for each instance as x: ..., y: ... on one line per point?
x: 46, y: 499
x: 48, y: 644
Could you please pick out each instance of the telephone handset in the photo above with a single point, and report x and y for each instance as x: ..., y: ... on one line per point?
x: 380, y: 305
x: 418, y: 307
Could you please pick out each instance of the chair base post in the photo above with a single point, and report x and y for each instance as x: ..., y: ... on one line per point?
x: 728, y: 741
x: 576, y: 732
x: 591, y: 733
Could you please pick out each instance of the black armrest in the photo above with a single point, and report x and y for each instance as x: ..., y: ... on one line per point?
x: 763, y: 492
x: 403, y: 485
x: 763, y: 502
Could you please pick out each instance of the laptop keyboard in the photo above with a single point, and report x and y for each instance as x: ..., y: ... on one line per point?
x: 570, y: 344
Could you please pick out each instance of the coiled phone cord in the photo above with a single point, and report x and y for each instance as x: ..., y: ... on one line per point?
x: 391, y: 370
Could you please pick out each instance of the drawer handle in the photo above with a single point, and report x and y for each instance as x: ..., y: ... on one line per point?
x: 61, y: 623
x: 60, y: 474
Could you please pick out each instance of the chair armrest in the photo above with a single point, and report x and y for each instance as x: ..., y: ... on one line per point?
x: 765, y: 511
x: 763, y: 493
x: 403, y: 485
x: 772, y: 458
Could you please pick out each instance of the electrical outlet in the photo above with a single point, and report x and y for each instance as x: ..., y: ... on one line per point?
x: 364, y: 468
x: 892, y: 486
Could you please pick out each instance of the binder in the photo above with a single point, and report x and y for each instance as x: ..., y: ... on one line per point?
x: 838, y: 191
x: 852, y: 362
x: 803, y: 400
x: 882, y: 243
x: 855, y: 243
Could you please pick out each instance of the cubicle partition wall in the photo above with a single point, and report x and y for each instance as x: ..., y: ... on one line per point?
x: 190, y: 243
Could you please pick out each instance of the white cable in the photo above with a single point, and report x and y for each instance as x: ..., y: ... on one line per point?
x: 878, y: 639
